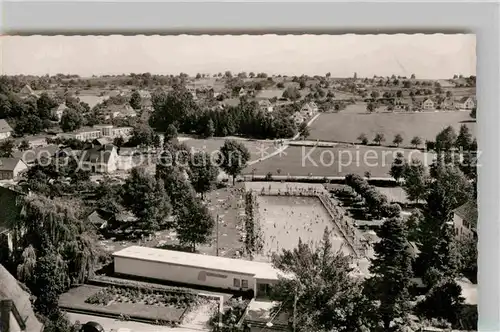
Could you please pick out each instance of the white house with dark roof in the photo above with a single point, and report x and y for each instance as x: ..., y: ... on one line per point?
x: 26, y: 91
x: 99, y: 159
x: 120, y: 111
x: 58, y: 111
x: 309, y: 109
x: 11, y: 168
x: 465, y: 103
x: 30, y: 157
x: 265, y: 106
x: 465, y: 220
x: 428, y: 104
x: 5, y: 129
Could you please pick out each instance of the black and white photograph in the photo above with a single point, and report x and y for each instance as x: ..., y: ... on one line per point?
x: 239, y: 183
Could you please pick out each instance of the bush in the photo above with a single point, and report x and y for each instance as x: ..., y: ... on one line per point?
x: 102, y: 297
x: 391, y: 210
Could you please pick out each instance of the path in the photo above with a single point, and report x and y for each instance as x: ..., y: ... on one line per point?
x: 284, y: 146
x: 116, y: 325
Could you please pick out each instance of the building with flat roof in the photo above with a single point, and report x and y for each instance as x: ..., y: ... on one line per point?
x: 196, y: 269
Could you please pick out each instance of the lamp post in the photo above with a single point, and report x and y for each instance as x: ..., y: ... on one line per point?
x: 217, y: 236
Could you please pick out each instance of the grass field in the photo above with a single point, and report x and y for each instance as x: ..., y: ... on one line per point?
x: 337, y: 161
x: 286, y: 219
x: 211, y: 145
x: 347, y: 125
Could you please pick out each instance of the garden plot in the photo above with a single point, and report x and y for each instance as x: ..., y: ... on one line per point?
x: 137, y: 304
x: 286, y: 219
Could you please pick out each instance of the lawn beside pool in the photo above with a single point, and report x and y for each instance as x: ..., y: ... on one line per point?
x: 334, y: 161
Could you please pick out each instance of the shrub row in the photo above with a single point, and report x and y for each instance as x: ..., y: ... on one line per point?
x: 253, y: 238
x: 377, y: 203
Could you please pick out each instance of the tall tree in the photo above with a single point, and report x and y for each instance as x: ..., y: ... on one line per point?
x: 379, y: 138
x: 25, y: 145
x: 142, y: 135
x: 416, y: 141
x: 71, y: 120
x: 45, y: 104
x: 415, y: 180
x: 202, y: 172
x: 443, y: 301
x: 371, y: 107
x: 210, y: 129
x: 7, y: 148
x: 392, y: 272
x: 174, y: 107
x: 464, y: 138
x: 194, y: 224
x: 136, y: 100
x: 323, y: 295
x: 363, y: 139
x: 146, y: 197
x: 170, y: 133
x: 446, y: 139
x: 397, y: 167
x: 59, y: 247
x: 398, y: 139
x: 304, y: 129
x: 437, y: 258
x: 177, y: 186
x: 473, y: 113
x: 234, y: 157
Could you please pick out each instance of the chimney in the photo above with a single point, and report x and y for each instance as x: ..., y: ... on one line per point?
x: 5, y: 310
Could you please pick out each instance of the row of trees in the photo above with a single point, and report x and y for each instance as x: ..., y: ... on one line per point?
x: 179, y: 109
x: 380, y: 138
x: 376, y: 202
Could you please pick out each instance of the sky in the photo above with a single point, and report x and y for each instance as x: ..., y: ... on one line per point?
x: 432, y: 56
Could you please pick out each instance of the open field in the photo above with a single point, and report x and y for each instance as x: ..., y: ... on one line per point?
x: 347, y: 125
x: 257, y: 149
x: 336, y: 161
x: 286, y: 219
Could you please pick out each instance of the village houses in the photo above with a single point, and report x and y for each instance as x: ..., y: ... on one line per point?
x: 298, y: 118
x: 465, y: 220
x: 428, y: 104
x: 265, y: 106
x: 57, y: 112
x: 5, y: 129
x: 309, y: 109
x: 11, y: 168
x: 26, y: 92
x: 466, y: 103
x: 99, y: 159
x: 98, y: 131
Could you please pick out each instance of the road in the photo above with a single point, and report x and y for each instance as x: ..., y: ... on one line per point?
x: 115, y: 325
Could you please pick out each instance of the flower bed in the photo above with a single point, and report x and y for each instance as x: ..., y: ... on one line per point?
x: 141, y: 296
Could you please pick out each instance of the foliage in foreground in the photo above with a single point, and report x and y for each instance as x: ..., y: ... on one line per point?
x: 324, y: 293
